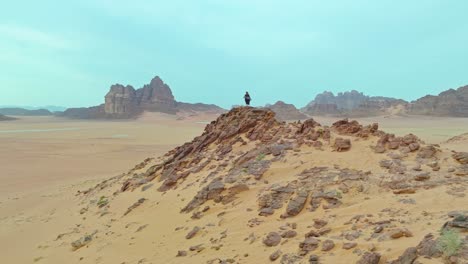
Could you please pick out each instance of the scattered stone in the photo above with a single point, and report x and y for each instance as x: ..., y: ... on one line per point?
x: 313, y: 259
x: 405, y: 191
x: 378, y: 229
x: 461, y: 157
x: 275, y: 255
x: 272, y: 239
x: 135, y: 205
x: 328, y: 245
x: 428, y: 247
x: 427, y: 152
x: 289, y: 234
x: 309, y: 244
x: 181, y: 253
x: 342, y: 144
x: 85, y: 240
x: 369, y: 258
x: 296, y: 204
x: 197, y: 248
x: 407, y: 257
x: 319, y: 223
x: 400, y: 232
x: 193, y: 232
x: 290, y: 258
x: 349, y: 245
x: 422, y: 176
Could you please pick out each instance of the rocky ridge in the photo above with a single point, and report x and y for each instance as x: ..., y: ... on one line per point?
x: 24, y: 112
x: 453, y: 102
x: 297, y: 182
x: 125, y: 102
x: 352, y: 103
x: 285, y: 112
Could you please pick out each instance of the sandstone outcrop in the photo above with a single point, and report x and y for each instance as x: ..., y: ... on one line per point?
x: 268, y: 184
x: 448, y: 103
x: 286, y: 111
x: 125, y: 102
x: 352, y: 104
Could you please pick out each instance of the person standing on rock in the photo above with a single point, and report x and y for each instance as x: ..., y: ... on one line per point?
x: 247, y: 98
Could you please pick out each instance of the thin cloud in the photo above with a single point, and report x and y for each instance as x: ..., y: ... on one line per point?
x: 34, y: 37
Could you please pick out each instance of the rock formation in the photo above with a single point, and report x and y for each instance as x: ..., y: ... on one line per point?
x: 294, y: 192
x: 24, y: 112
x: 120, y: 100
x: 286, y: 112
x: 126, y: 102
x: 448, y: 103
x: 351, y: 103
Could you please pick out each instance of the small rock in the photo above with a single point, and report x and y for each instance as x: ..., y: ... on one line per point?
x: 328, y: 245
x: 369, y: 258
x: 407, y: 257
x: 400, y: 232
x: 197, y: 248
x: 272, y: 239
x: 275, y: 255
x: 181, y: 253
x: 349, y: 245
x: 422, y: 176
x: 319, y: 223
x: 192, y: 233
x: 289, y: 234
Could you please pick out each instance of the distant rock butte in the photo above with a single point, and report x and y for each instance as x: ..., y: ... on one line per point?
x: 286, y: 111
x: 126, y: 102
x: 351, y: 103
x: 448, y: 103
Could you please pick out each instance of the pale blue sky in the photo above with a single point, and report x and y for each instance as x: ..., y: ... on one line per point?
x: 69, y: 52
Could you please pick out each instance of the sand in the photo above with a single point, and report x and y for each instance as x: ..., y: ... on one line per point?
x: 43, y: 169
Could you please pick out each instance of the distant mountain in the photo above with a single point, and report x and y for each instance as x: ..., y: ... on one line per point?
x: 448, y: 103
x: 352, y: 103
x: 286, y: 111
x: 6, y: 118
x: 51, y: 108
x: 24, y: 112
x: 125, y: 102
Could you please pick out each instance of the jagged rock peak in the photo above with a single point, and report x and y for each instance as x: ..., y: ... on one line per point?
x: 286, y: 111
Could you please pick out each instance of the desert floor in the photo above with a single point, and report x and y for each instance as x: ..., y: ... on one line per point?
x: 44, y: 161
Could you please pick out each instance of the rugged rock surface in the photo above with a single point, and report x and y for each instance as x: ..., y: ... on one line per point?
x: 126, y: 102
x: 120, y: 100
x: 351, y: 103
x: 268, y: 183
x: 286, y: 111
x: 448, y: 103
x: 24, y: 112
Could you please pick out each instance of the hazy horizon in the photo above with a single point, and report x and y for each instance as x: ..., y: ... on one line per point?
x: 212, y: 52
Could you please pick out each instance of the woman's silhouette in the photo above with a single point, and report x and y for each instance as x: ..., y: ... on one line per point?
x: 247, y: 98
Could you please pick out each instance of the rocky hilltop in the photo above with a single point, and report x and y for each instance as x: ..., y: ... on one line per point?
x: 448, y: 103
x: 252, y: 189
x: 351, y: 103
x: 24, y: 112
x: 286, y: 111
x: 126, y: 102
